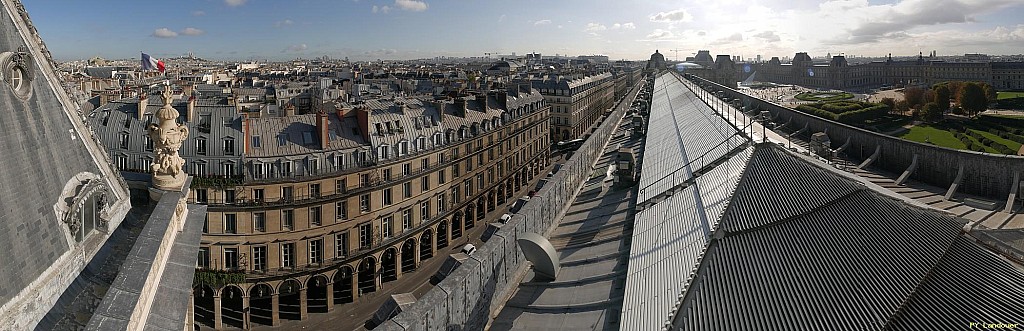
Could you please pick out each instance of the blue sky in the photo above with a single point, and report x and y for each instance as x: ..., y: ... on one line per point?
x: 407, y: 29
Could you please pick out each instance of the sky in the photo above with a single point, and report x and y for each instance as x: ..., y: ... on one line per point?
x: 621, y: 29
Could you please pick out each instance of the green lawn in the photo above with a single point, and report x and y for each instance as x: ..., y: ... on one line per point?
x: 938, y: 136
x: 1009, y: 95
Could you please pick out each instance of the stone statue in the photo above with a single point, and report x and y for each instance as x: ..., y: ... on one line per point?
x: 167, y: 138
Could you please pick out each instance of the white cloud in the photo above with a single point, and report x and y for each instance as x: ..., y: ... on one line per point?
x: 542, y: 22
x: 235, y: 3
x: 281, y: 24
x: 768, y: 36
x: 501, y: 18
x: 295, y: 48
x: 198, y: 13
x: 192, y: 32
x: 411, y: 5
x: 624, y: 26
x: 164, y: 33
x: 594, y: 27
x: 678, y: 15
x: 559, y: 26
x: 658, y: 34
x: 381, y: 9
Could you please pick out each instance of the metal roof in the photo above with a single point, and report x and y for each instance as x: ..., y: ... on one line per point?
x: 684, y: 135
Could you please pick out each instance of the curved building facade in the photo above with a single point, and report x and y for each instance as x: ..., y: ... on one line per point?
x: 306, y: 211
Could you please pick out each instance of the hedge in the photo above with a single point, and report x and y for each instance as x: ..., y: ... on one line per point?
x: 846, y: 112
x: 216, y: 278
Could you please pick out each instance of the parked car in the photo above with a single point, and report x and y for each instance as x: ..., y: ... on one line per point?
x: 469, y: 249
x: 519, y: 204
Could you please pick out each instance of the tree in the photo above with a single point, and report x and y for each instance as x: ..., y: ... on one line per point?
x: 914, y: 96
x: 942, y: 96
x: 972, y: 99
x: 954, y: 89
x: 931, y: 112
x: 902, y: 107
x: 990, y: 92
x: 889, y: 102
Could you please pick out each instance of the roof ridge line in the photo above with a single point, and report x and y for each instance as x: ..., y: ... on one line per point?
x: 842, y: 198
x: 917, y: 287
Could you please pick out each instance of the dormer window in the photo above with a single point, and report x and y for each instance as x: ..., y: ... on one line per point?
x: 377, y: 126
x: 307, y: 138
x: 123, y: 140
x: 382, y: 152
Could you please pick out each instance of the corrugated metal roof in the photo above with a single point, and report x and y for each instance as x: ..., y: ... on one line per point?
x: 668, y: 242
x: 683, y: 136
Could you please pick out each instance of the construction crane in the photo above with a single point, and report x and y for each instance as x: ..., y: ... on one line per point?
x: 677, y: 53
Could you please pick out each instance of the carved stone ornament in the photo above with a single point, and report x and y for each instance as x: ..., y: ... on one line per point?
x: 17, y: 71
x: 167, y: 139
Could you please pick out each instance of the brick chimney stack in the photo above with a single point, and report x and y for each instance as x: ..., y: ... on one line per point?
x: 143, y: 102
x: 322, y: 127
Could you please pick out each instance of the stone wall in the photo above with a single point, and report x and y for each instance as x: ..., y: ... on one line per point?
x: 986, y: 175
x: 466, y: 299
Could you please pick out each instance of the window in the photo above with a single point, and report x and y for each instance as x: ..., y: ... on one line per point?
x: 288, y: 255
x: 403, y: 148
x: 455, y: 194
x: 364, y: 202
x: 316, y: 251
x: 282, y: 139
x: 259, y: 258
x: 341, y: 245
x: 259, y: 222
x: 424, y: 183
x: 441, y: 206
x: 469, y: 187
x: 228, y: 168
x: 382, y: 152
x: 17, y: 78
x: 201, y: 195
x: 455, y: 170
x: 229, y: 146
x: 199, y: 168
x: 480, y: 179
x: 406, y: 169
x: 440, y: 177
x: 341, y: 186
x: 424, y: 210
x: 385, y: 226
x: 286, y: 193
x: 315, y: 216
x: 424, y: 164
x: 364, y: 180
x: 229, y: 196
x: 407, y: 219
x: 287, y: 219
x: 387, y: 197
x: 229, y: 223
x: 341, y: 209
x: 256, y: 142
x: 257, y: 195
x: 124, y: 140
x: 257, y: 170
x: 286, y: 168
x: 307, y: 138
x: 407, y: 189
x: 365, y: 235
x: 149, y: 144
x: 312, y: 166
x: 469, y: 164
x: 231, y: 258
x: 480, y: 159
x: 203, y: 262
x: 387, y: 173
x: 314, y: 190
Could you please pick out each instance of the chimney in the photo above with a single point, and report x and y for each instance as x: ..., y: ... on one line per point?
x: 460, y: 107
x: 502, y: 97
x: 289, y: 109
x: 322, y: 126
x: 363, y: 119
x: 190, y: 111
x: 526, y: 87
x: 246, y: 148
x: 439, y: 105
x: 143, y: 102
x: 341, y: 111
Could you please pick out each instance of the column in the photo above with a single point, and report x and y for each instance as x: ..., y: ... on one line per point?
x: 355, y: 287
x: 275, y: 310
x: 245, y: 312
x: 330, y: 296
x: 217, y: 321
x: 302, y: 303
x: 398, y: 263
x: 190, y: 315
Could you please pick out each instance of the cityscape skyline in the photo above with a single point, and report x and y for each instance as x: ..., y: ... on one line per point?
x: 369, y: 30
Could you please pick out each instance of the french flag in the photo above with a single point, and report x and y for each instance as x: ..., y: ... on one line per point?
x: 151, y: 63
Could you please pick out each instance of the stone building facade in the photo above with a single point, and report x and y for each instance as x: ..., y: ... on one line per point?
x: 576, y: 103
x: 316, y: 209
